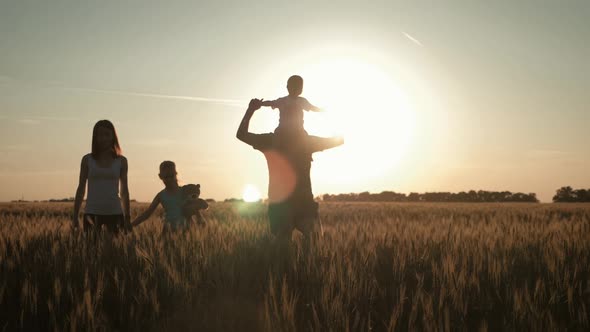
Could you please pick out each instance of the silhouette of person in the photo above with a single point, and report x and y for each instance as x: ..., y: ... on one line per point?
x: 105, y: 170
x: 291, y: 107
x: 291, y: 204
x: 174, y: 202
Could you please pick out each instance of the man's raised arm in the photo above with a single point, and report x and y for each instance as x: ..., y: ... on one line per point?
x: 243, y: 133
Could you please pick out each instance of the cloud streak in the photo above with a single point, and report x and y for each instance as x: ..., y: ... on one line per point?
x: 51, y: 118
x: 229, y: 102
x: 37, y: 119
x: 62, y: 86
x: 412, y: 39
x: 548, y: 154
x: 160, y: 142
x: 29, y: 121
x: 5, y: 80
x: 14, y: 147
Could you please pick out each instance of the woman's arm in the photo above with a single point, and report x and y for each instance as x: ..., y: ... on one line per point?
x: 147, y: 213
x: 81, y: 191
x: 125, y: 191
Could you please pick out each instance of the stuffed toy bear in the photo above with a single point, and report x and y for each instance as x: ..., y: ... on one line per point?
x: 192, y: 204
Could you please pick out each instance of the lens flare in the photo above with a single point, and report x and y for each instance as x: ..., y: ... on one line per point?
x: 250, y: 194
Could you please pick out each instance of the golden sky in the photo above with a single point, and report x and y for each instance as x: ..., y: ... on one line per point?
x: 429, y: 97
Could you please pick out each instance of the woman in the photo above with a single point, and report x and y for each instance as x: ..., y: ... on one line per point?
x: 105, y: 168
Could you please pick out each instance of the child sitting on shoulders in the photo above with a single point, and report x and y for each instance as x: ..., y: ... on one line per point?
x: 291, y: 107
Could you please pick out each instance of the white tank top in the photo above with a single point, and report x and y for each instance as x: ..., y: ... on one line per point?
x: 103, y: 188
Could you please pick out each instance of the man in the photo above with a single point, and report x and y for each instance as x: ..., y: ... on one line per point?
x: 291, y: 205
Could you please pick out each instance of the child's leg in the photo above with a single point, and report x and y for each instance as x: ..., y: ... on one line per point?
x: 283, y: 130
x: 281, y: 137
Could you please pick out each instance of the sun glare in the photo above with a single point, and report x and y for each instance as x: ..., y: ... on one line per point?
x: 365, y: 106
x: 250, y: 194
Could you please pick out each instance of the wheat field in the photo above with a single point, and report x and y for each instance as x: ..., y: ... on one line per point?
x: 378, y: 267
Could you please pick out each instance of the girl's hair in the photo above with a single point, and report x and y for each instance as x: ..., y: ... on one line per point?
x: 115, y: 149
x: 167, y: 164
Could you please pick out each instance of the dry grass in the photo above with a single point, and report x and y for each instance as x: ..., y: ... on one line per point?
x: 381, y: 267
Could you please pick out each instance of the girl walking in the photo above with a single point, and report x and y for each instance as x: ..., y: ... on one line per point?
x: 105, y: 171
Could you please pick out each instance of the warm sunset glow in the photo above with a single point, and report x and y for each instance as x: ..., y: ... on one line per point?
x: 428, y: 98
x: 368, y: 108
x: 250, y: 194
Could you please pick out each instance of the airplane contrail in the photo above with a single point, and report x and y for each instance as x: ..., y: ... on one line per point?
x: 230, y: 102
x: 4, y: 78
x: 60, y: 85
x: 414, y: 40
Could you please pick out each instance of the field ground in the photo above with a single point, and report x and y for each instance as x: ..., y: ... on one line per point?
x: 379, y: 266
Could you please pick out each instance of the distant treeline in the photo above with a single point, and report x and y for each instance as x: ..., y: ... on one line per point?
x: 59, y: 200
x: 53, y: 200
x: 71, y: 200
x: 563, y: 194
x: 570, y: 195
x: 470, y: 196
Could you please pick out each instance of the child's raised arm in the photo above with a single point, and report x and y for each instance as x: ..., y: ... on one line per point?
x: 270, y: 103
x: 309, y: 107
x: 147, y: 213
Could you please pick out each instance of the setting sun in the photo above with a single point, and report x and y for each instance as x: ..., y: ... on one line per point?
x: 250, y: 194
x: 363, y: 104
